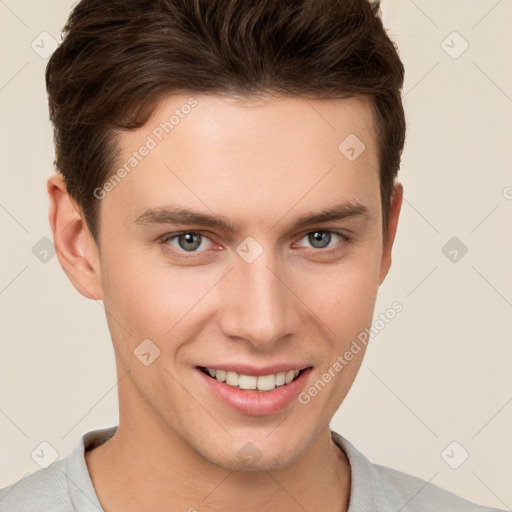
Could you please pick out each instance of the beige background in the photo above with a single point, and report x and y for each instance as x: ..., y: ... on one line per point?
x: 438, y: 373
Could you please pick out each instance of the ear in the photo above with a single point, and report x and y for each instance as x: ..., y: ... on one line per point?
x: 394, y: 213
x: 75, y: 247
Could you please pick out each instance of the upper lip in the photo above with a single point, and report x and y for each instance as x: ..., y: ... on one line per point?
x: 246, y: 369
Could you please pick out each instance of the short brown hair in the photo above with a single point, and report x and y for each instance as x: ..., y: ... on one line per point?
x: 120, y: 58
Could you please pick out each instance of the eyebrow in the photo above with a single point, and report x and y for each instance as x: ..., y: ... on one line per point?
x: 185, y: 217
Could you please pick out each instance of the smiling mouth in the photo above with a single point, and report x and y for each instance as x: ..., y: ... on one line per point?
x: 253, y: 382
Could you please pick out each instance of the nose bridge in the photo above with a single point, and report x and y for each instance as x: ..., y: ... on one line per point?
x: 261, y: 307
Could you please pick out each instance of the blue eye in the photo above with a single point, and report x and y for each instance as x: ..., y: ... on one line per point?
x: 188, y: 244
x: 188, y: 241
x: 320, y: 239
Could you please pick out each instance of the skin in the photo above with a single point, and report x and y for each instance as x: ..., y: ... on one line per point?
x: 261, y: 164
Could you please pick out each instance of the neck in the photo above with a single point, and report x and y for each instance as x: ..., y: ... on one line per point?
x: 147, y: 466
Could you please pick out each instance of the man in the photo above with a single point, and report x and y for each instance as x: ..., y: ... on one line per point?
x: 226, y: 186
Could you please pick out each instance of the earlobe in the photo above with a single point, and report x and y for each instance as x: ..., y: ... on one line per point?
x: 394, y: 213
x: 75, y: 247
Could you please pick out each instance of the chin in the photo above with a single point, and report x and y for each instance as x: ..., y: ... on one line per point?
x: 253, y: 460
x: 257, y: 453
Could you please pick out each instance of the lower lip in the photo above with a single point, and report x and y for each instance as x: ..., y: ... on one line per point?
x: 256, y: 403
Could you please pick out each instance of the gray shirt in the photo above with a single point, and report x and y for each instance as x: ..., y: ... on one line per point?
x: 66, y: 486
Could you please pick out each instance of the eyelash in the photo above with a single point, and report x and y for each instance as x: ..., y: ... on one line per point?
x: 179, y: 253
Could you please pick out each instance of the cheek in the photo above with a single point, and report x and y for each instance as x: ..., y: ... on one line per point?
x: 148, y: 299
x: 344, y: 296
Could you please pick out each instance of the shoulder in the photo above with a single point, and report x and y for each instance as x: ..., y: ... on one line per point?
x: 43, y: 490
x: 64, y: 486
x: 418, y: 495
x: 377, y: 487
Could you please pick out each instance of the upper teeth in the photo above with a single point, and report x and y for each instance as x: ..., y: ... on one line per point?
x: 261, y: 383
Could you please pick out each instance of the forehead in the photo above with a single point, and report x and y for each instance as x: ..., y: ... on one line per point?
x: 221, y: 120
x: 216, y: 122
x: 217, y: 152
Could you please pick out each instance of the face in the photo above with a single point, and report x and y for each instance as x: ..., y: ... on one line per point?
x: 259, y: 286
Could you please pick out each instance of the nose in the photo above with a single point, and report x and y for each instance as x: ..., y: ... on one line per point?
x: 258, y: 304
